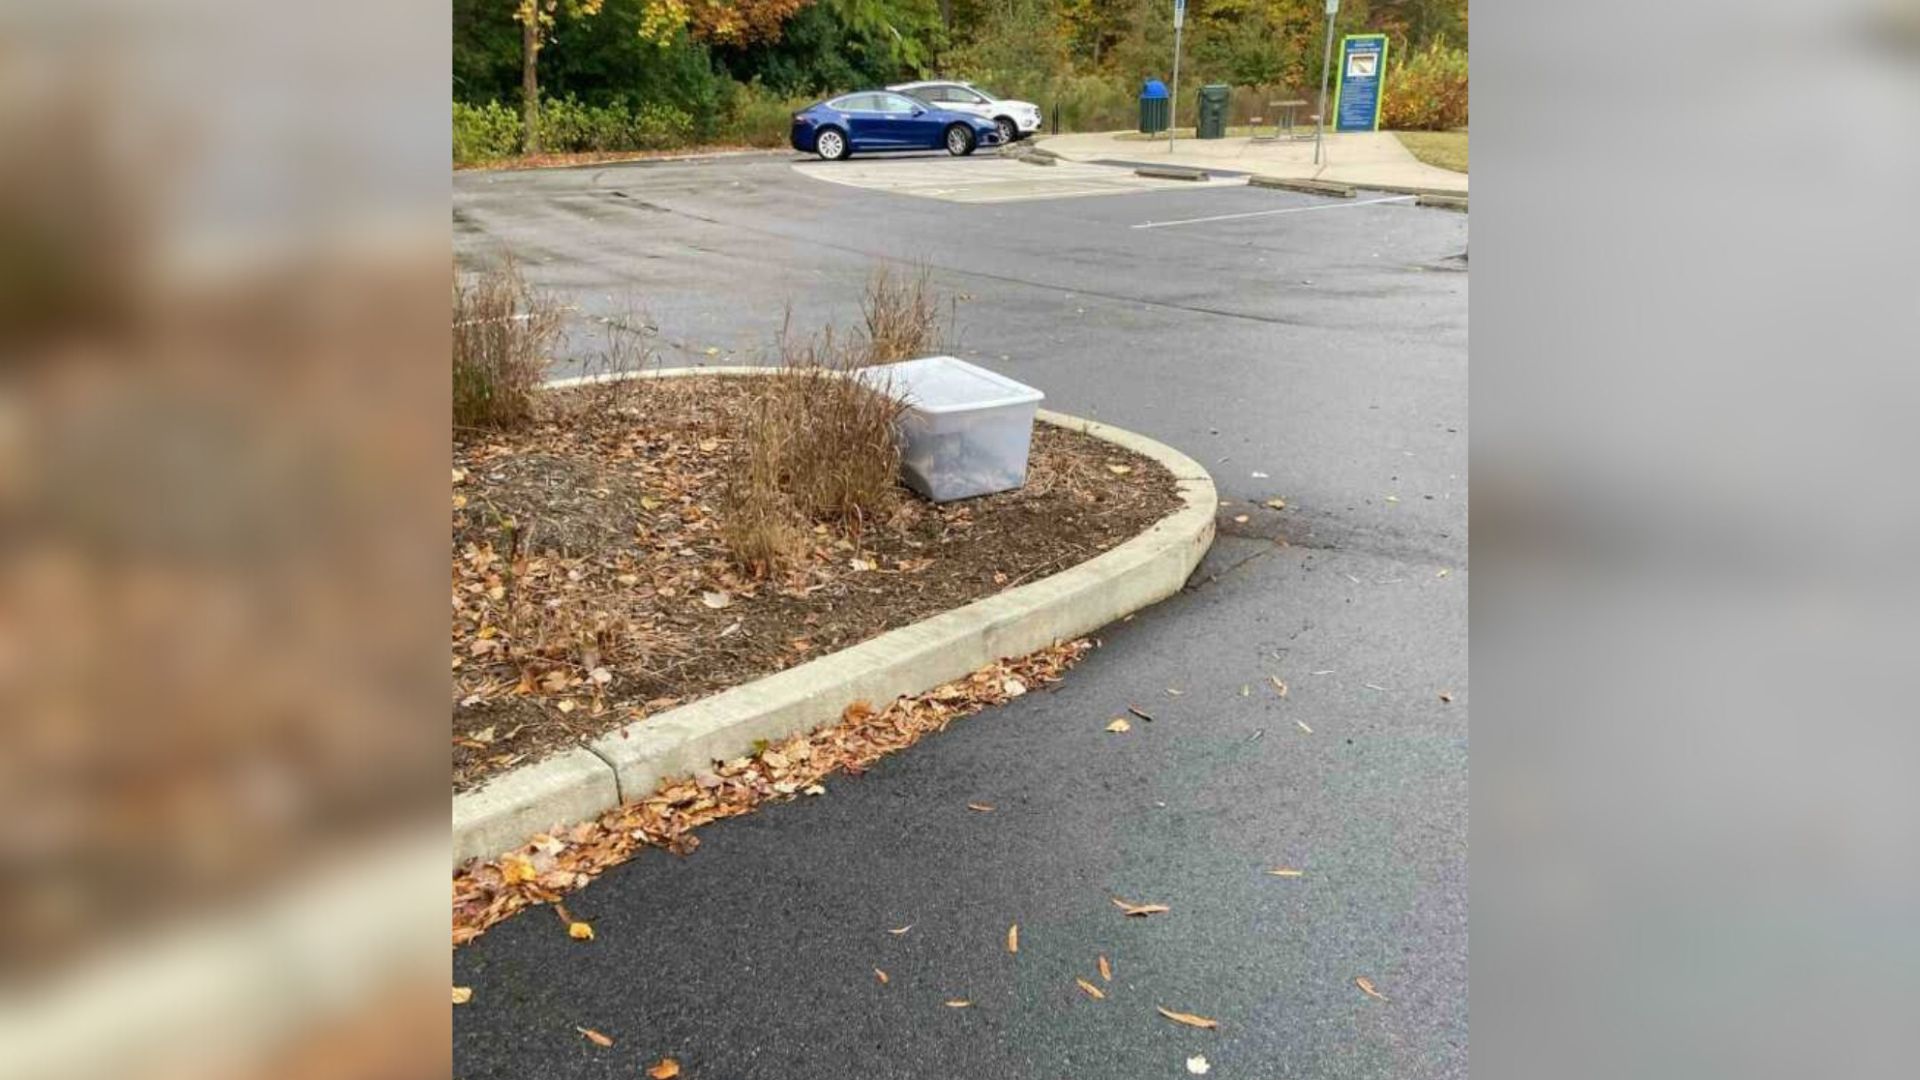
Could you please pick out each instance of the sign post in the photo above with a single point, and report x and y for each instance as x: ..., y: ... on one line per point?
x: 1362, y: 85
x: 1326, y: 62
x: 1173, y: 107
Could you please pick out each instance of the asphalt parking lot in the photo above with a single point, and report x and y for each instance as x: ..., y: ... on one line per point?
x: 1303, y: 349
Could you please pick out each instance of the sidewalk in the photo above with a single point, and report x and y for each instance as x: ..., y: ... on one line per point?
x: 1363, y: 159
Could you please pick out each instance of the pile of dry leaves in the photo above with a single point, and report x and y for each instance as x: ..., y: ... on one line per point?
x: 592, y: 585
x: 550, y: 866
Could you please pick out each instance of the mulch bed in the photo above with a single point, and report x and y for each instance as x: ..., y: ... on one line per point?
x: 591, y: 588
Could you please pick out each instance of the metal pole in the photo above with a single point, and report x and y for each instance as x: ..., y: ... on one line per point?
x: 1326, y: 68
x: 1173, y: 107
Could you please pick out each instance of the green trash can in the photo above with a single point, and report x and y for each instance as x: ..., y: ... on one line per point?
x: 1155, y: 107
x: 1213, y: 110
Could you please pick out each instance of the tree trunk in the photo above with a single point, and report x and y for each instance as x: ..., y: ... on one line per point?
x: 530, y: 81
x: 946, y: 14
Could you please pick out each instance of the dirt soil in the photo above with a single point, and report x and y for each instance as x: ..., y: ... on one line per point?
x: 590, y: 586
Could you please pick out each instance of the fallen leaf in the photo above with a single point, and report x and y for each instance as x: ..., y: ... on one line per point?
x: 1119, y: 726
x: 1276, y: 504
x: 1304, y: 727
x: 1278, y: 686
x: 1093, y: 991
x: 1174, y: 693
x: 1260, y: 476
x: 1139, y: 712
x: 813, y: 789
x: 1013, y: 938
x: 713, y: 350
x: 1286, y: 871
x: 1240, y: 519
x: 1446, y: 697
x: 1140, y: 909
x: 515, y: 869
x: 1366, y: 987
x: 1443, y: 572
x: 1106, y: 969
x: 1245, y: 690
x: 708, y: 446
x: 462, y: 995
x: 985, y: 808
x: 716, y: 600
x: 580, y: 931
x: 594, y: 1037
x: 1119, y: 470
x: 959, y: 1003
x: 901, y: 930
x: 881, y: 975
x: 1393, y: 498
x: 1013, y: 687
x: 667, y: 1069
x: 1187, y: 1018
x: 1197, y: 1065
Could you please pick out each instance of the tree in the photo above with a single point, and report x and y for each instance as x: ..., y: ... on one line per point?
x: 721, y: 22
x: 536, y: 18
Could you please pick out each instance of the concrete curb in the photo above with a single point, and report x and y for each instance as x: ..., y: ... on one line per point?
x: 631, y: 762
x: 1444, y: 202
x: 510, y: 807
x: 1170, y: 172
x: 1310, y: 187
x: 1404, y: 189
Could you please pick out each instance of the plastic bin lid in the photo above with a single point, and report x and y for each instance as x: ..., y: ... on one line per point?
x: 944, y: 384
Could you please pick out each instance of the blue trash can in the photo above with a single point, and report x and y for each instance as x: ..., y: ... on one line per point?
x: 1156, y: 108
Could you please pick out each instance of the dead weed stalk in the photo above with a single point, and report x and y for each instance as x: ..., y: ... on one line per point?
x: 503, y: 332
x: 903, y: 317
x: 820, y: 446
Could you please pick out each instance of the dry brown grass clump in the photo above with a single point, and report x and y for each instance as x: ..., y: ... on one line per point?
x: 903, y: 318
x: 820, y: 447
x: 503, y: 332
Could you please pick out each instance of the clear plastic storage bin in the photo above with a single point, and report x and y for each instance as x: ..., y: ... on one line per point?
x: 966, y: 431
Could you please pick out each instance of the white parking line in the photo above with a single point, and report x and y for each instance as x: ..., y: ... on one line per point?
x: 1283, y: 210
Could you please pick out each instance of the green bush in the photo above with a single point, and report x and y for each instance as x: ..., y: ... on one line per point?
x: 1427, y: 91
x: 568, y: 126
x: 484, y: 132
x: 755, y: 116
x: 1092, y: 103
x: 660, y: 127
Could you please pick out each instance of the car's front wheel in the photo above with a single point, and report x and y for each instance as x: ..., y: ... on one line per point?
x: 1009, y: 133
x: 960, y: 140
x: 830, y: 144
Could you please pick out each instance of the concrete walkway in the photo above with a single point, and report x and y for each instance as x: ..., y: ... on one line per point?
x: 1364, y: 159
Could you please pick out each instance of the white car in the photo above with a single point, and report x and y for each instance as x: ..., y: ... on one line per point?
x: 1016, y: 119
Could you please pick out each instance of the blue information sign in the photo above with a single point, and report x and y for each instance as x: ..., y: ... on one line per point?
x: 1363, y: 78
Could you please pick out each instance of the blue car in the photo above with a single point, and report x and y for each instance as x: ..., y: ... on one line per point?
x: 883, y: 120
